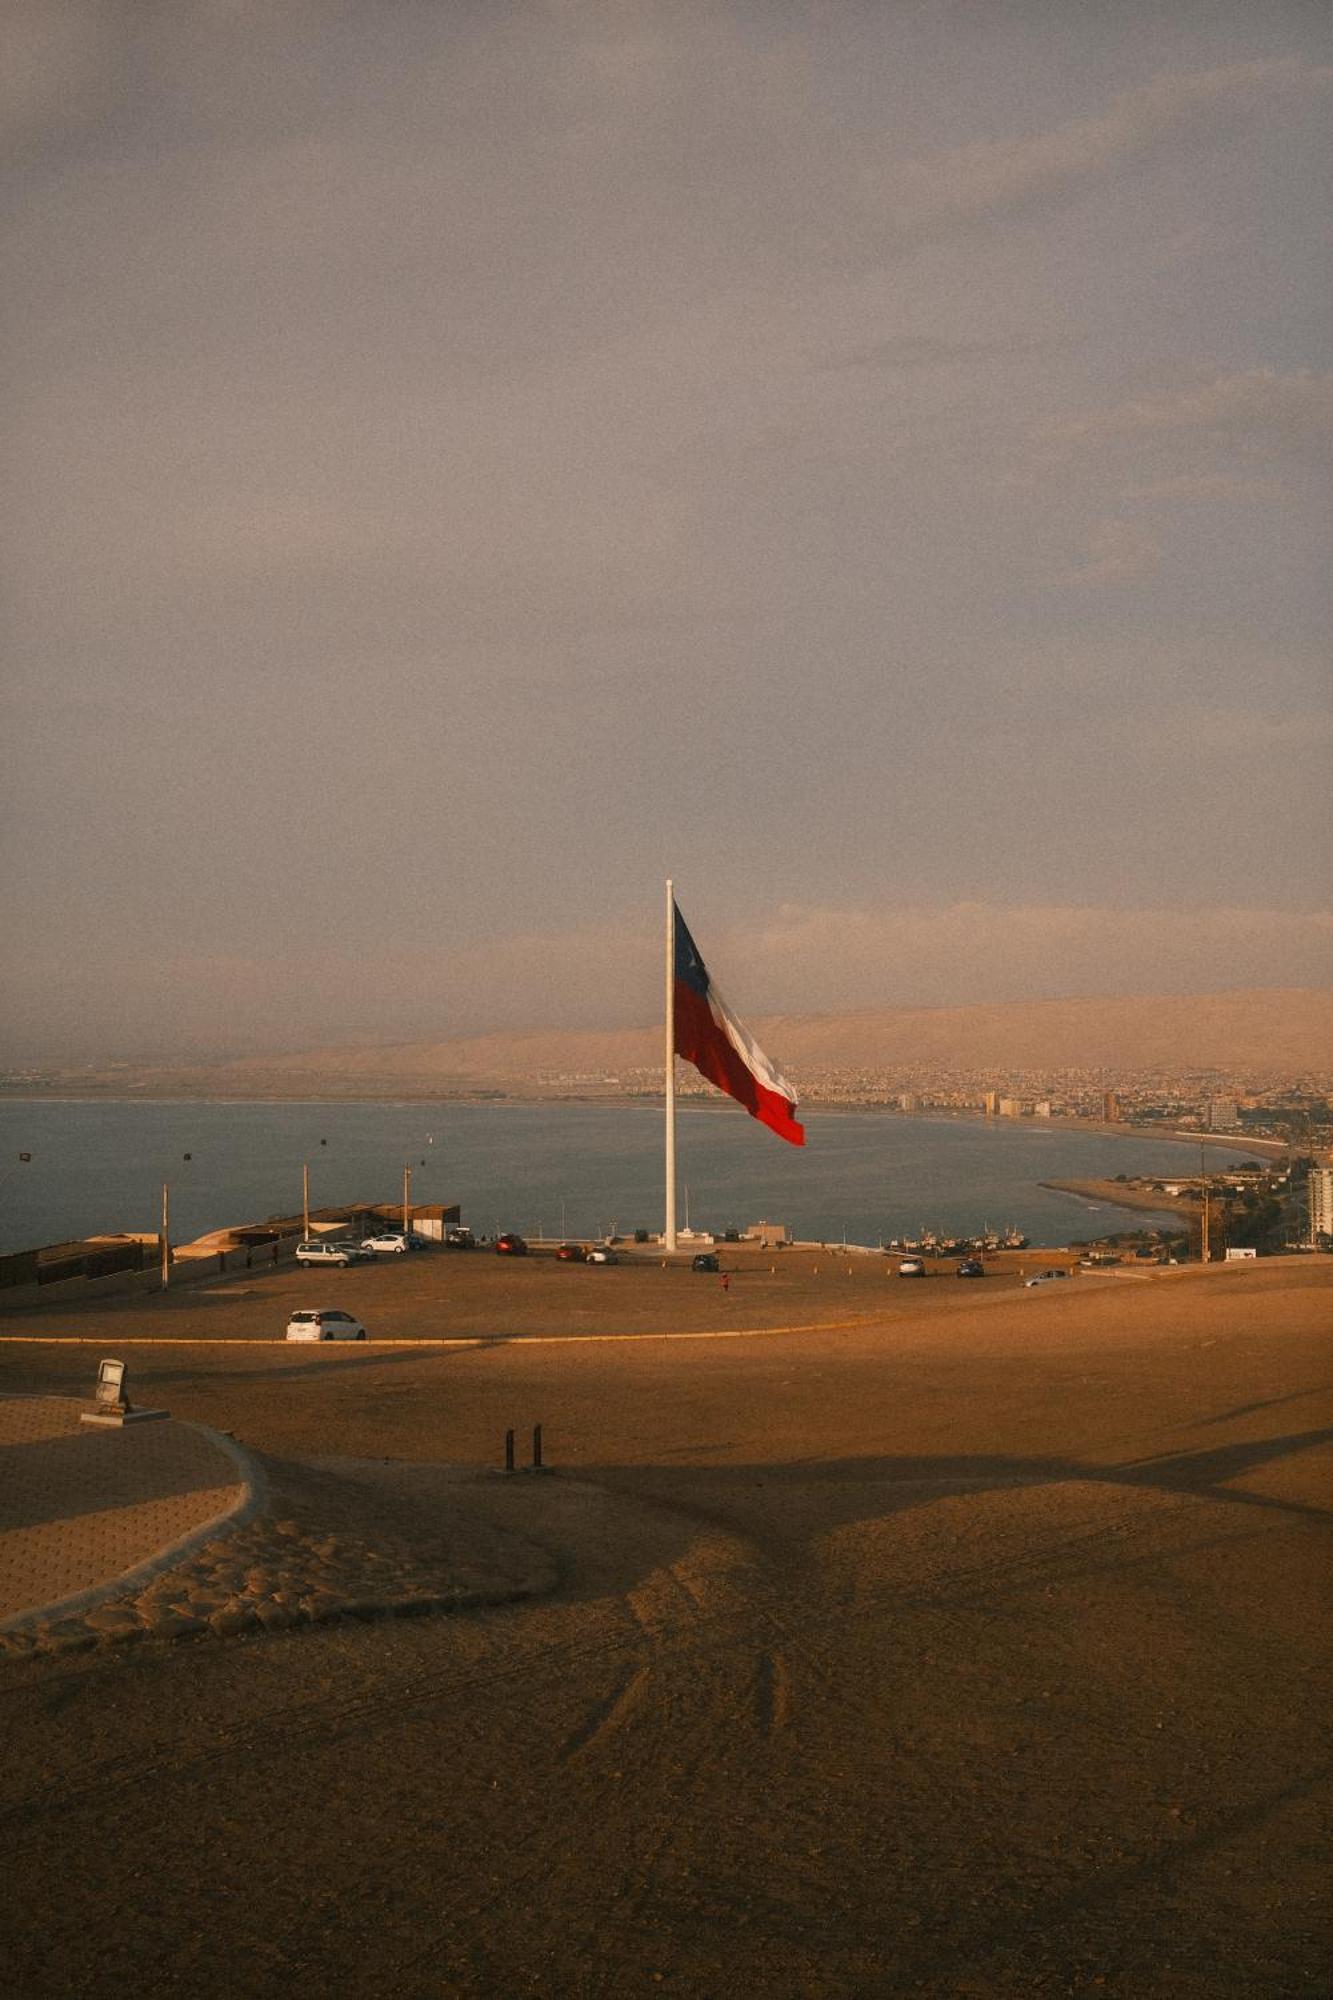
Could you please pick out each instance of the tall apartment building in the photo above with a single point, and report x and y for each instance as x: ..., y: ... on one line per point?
x: 1110, y: 1108
x: 1321, y: 1202
x: 1223, y: 1115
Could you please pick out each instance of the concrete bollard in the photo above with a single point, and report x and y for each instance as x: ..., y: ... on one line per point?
x: 509, y: 1451
x: 536, y: 1447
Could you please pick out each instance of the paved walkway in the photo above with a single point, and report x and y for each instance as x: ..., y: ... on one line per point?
x: 87, y: 1513
x: 166, y: 1530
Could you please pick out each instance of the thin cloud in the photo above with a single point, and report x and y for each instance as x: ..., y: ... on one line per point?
x: 1257, y: 407
x: 911, y: 351
x: 1114, y: 552
x: 56, y: 62
x: 994, y: 177
x: 1205, y: 488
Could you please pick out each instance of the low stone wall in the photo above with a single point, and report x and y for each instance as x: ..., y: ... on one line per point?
x: 185, y: 1270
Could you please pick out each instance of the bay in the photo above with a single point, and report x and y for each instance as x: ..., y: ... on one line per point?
x: 97, y: 1167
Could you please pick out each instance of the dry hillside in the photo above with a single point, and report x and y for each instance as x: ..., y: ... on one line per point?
x: 1263, y: 1031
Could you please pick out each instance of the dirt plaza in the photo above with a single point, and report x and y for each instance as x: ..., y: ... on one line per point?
x: 865, y: 1636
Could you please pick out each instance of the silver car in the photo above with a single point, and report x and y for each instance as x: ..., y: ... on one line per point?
x: 332, y: 1250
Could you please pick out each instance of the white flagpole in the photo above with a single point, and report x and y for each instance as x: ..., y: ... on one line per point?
x: 669, y: 1233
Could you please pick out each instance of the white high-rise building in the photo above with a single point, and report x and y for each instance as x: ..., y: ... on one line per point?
x: 1321, y: 1202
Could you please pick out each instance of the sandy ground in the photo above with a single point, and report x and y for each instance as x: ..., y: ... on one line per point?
x: 973, y: 1641
x: 1118, y: 1195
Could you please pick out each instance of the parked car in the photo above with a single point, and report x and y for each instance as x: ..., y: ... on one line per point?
x: 321, y: 1323
x: 415, y: 1241
x: 1044, y: 1278
x: 459, y: 1239
x: 510, y: 1245
x: 331, y: 1250
x: 705, y: 1261
x: 971, y: 1267
x: 602, y: 1255
x: 572, y: 1253
x: 392, y: 1244
x: 911, y: 1267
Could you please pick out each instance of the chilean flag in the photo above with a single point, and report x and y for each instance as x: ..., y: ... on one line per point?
x: 708, y: 1035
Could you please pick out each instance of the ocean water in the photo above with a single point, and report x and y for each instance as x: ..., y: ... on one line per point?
x: 551, y: 1169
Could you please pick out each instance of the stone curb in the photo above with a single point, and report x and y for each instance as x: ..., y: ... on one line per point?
x: 249, y: 1571
x: 221, y: 1345
x: 253, y: 1492
x: 72, y: 1637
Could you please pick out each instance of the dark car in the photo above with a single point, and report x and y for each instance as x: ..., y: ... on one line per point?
x: 705, y: 1261
x: 460, y: 1238
x: 971, y: 1267
x: 510, y: 1245
x: 571, y: 1253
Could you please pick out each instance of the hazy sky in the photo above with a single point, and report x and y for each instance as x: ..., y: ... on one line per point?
x: 466, y: 463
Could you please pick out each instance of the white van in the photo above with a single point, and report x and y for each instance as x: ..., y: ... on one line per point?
x: 331, y: 1250
x: 324, y: 1323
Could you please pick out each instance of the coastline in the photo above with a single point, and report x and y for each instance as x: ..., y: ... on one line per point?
x: 1137, y: 1201
x: 610, y: 1100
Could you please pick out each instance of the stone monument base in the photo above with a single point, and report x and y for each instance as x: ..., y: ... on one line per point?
x: 114, y: 1419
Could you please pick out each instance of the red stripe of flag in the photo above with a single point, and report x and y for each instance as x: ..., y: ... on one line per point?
x: 709, y: 1035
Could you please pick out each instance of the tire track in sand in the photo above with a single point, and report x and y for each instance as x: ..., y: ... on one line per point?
x: 608, y: 1715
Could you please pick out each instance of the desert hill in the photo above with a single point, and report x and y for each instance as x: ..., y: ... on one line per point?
x: 1262, y: 1031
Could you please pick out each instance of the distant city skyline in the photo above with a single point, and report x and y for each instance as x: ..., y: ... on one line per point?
x: 466, y: 464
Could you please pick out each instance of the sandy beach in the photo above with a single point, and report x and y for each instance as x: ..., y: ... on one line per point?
x: 1117, y: 1195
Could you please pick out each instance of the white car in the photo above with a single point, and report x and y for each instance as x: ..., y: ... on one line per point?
x: 1044, y: 1278
x: 392, y: 1243
x: 324, y: 1323
x: 599, y: 1254
x: 911, y: 1267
